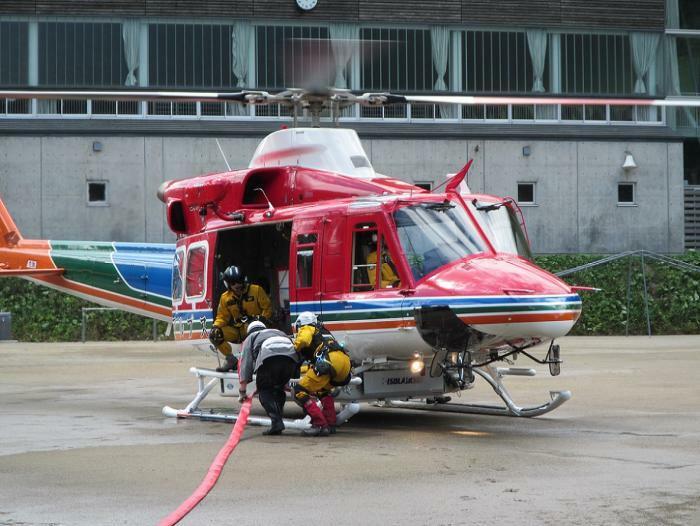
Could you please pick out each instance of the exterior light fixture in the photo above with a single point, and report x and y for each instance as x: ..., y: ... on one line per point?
x: 417, y: 364
x: 629, y: 163
x: 526, y: 151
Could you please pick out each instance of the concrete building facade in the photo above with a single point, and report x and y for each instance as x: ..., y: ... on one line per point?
x: 90, y: 169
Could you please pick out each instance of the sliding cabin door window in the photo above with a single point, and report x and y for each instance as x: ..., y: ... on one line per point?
x: 178, y: 267
x: 306, y: 243
x: 196, y: 279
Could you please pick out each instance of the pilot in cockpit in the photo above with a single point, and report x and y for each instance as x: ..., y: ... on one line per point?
x: 388, y: 277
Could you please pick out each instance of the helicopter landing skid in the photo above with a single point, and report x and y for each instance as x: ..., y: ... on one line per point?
x: 192, y: 409
x: 493, y: 375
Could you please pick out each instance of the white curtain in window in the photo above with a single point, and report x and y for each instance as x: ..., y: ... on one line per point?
x: 673, y: 79
x: 643, y: 55
x: 537, y: 43
x: 241, y: 41
x: 440, y: 42
x: 131, y: 34
x: 672, y: 14
x: 344, y: 39
x: 241, y: 46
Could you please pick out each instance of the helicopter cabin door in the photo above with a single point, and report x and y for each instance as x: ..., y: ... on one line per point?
x: 305, y: 266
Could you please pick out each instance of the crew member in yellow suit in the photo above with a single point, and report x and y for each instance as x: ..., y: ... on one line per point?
x: 330, y: 368
x: 388, y: 277
x: 240, y: 302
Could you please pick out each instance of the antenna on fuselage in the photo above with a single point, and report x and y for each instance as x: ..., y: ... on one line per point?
x: 270, y: 208
x: 228, y: 166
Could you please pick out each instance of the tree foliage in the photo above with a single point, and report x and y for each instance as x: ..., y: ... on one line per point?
x: 42, y: 314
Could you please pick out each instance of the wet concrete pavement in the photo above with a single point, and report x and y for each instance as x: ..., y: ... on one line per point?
x: 83, y: 442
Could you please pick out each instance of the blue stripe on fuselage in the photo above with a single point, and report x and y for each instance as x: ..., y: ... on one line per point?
x: 146, y: 266
x: 383, y: 304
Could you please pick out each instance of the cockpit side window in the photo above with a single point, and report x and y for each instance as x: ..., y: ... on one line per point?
x: 500, y: 224
x: 435, y: 234
x: 364, y: 245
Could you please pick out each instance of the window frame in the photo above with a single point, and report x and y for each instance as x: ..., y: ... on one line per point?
x: 534, y: 193
x: 205, y: 272
x: 104, y: 202
x: 181, y: 297
x: 304, y: 245
x: 632, y: 203
x: 371, y: 226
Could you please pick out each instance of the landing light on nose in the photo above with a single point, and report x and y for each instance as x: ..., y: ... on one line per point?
x: 417, y: 364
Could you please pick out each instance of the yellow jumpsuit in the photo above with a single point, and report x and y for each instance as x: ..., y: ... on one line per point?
x: 252, y: 302
x: 388, y: 277
x: 312, y: 383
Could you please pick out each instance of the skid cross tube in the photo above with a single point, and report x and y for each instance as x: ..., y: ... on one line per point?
x: 204, y: 387
x: 493, y: 376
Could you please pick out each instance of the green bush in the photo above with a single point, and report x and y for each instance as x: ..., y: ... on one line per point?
x: 673, y: 294
x: 40, y: 314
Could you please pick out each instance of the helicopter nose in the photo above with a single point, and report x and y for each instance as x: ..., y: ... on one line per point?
x: 508, y: 297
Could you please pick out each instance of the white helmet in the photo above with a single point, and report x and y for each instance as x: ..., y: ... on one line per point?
x: 256, y: 326
x: 306, y: 318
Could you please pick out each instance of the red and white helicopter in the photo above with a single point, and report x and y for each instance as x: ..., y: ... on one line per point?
x: 302, y: 220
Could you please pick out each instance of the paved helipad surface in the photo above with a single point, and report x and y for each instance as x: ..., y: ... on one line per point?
x: 82, y: 441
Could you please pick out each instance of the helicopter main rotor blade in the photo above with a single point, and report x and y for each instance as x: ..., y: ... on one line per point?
x: 529, y: 100
x: 240, y: 97
x: 341, y: 97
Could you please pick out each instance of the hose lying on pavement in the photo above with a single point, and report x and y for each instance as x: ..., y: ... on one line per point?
x: 214, y: 470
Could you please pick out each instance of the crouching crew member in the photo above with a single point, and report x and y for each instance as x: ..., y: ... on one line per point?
x: 239, y: 302
x: 330, y: 368
x: 269, y: 354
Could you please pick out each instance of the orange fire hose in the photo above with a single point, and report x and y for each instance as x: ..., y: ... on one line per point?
x: 215, y: 469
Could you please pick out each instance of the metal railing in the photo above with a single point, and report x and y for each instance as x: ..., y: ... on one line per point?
x: 481, y: 113
x: 675, y: 263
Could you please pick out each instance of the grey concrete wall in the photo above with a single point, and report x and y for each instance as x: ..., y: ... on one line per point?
x: 43, y: 181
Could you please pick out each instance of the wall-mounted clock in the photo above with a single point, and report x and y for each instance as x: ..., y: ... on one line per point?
x: 306, y: 5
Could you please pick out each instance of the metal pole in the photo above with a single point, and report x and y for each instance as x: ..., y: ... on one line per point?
x: 82, y: 327
x: 646, y: 301
x: 155, y: 331
x: 629, y: 293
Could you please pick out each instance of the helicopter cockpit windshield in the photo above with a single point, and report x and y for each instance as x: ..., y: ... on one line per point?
x: 435, y: 234
x: 501, y: 225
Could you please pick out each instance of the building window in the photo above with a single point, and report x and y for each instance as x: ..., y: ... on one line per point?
x: 689, y: 14
x: 97, y: 193
x: 397, y: 59
x: 190, y: 55
x: 81, y: 54
x: 526, y: 193
x: 498, y: 61
x: 425, y: 185
x: 596, y: 64
x: 689, y: 64
x: 625, y: 194
x: 291, y: 56
x: 13, y: 53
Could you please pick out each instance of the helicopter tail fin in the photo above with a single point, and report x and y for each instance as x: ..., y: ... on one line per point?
x: 20, y: 257
x: 9, y: 233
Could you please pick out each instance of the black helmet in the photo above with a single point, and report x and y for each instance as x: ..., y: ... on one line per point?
x: 231, y: 276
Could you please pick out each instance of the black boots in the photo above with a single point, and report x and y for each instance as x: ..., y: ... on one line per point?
x: 230, y: 364
x: 270, y: 399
